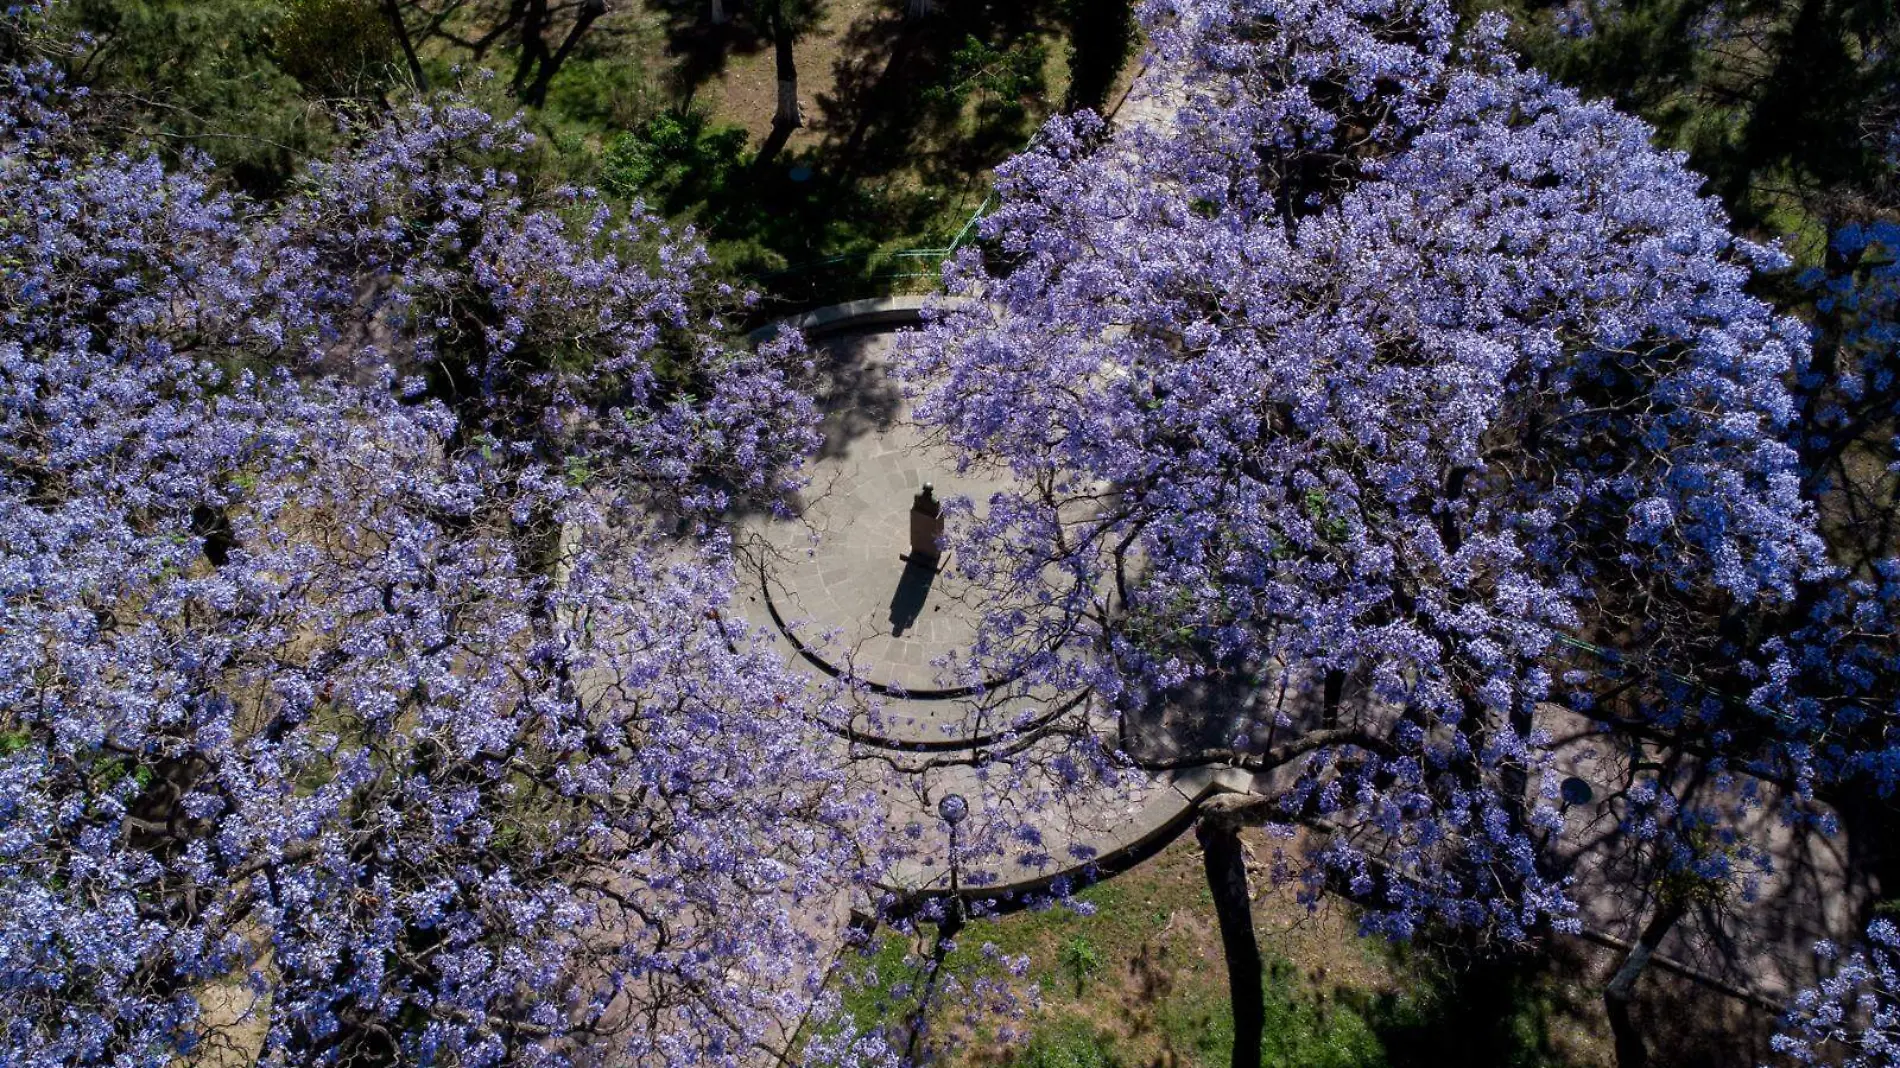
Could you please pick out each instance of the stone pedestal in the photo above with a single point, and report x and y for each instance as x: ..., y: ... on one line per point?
x: 926, y: 526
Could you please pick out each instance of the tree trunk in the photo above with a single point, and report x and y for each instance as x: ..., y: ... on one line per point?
x: 718, y: 12
x: 213, y: 525
x: 1449, y: 532
x: 947, y: 930
x: 788, y: 116
x: 1227, y: 882
x: 533, y: 45
x: 397, y: 26
x: 1514, y: 778
x: 1631, y: 1051
x: 536, y: 93
x: 917, y: 9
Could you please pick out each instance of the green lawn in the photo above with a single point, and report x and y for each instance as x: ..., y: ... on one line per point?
x: 1135, y: 978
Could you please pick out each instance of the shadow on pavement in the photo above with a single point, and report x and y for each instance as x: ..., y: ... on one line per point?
x: 913, y: 588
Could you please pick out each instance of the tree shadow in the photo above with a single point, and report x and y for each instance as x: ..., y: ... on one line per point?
x: 1859, y: 502
x: 1462, y: 1005
x: 858, y: 396
x: 872, y: 79
x: 899, y: 160
x: 882, y: 117
x: 1769, y: 107
x: 702, y: 48
x: 1754, y: 928
x: 770, y: 148
x: 1264, y: 703
x: 1686, y: 1024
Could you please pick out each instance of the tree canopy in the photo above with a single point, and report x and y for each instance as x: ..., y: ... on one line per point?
x: 370, y: 683
x: 1383, y: 357
x: 354, y: 674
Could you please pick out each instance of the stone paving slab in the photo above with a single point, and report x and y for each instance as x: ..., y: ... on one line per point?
x: 841, y: 580
x: 834, y: 590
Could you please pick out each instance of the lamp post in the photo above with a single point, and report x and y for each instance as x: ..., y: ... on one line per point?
x: 1571, y: 792
x: 953, y: 810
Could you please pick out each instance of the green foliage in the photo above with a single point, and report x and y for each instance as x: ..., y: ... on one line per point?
x: 1684, y: 880
x: 201, y: 74
x: 12, y: 742
x: 872, y: 986
x: 1300, y: 1032
x: 1002, y: 80
x: 1485, y: 1014
x: 1462, y: 1009
x: 257, y: 84
x: 1068, y: 1043
x: 578, y: 472
x: 798, y: 16
x: 1330, y: 524
x: 1319, y: 1034
x: 1199, y: 1028
x: 336, y: 48
x: 1774, y: 101
x: 826, y: 229
x: 601, y: 92
x: 675, y: 159
x: 832, y: 236
x: 103, y: 775
x: 1079, y: 957
x: 1445, y: 1007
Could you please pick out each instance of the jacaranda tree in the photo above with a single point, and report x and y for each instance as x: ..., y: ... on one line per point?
x: 1831, y: 679
x: 1852, y: 1018
x: 365, y: 695
x: 1373, y: 368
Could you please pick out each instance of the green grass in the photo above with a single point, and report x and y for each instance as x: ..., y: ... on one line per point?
x: 1081, y: 961
x: 1140, y: 981
x: 1070, y: 1043
x: 1197, y: 1026
x: 870, y: 995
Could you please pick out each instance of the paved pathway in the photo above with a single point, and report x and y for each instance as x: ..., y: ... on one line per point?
x: 843, y: 580
x: 834, y: 588
x: 1757, y: 936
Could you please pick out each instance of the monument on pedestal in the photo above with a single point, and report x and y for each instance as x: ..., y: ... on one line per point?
x: 926, y: 527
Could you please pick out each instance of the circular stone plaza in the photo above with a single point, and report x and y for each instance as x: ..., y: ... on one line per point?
x: 838, y: 587
x: 843, y: 591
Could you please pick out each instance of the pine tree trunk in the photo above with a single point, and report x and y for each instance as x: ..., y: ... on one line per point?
x: 718, y: 12
x: 919, y: 8
x: 1233, y: 905
x: 1631, y: 1050
x: 788, y: 116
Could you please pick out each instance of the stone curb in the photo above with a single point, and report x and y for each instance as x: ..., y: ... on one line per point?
x: 1158, y: 823
x: 872, y: 311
